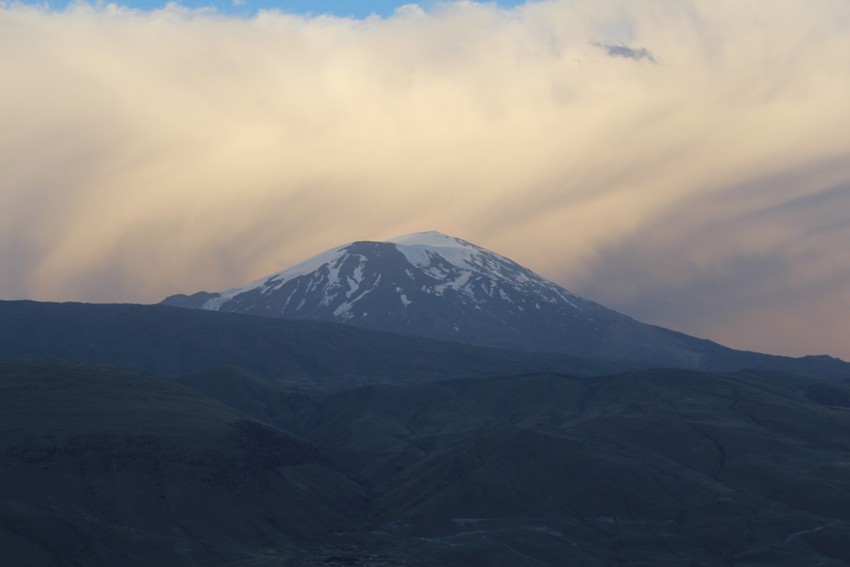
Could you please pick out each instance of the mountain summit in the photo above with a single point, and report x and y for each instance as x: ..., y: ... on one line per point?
x: 438, y: 286
x: 441, y: 287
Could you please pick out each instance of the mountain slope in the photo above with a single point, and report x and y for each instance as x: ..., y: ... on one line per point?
x: 657, y: 467
x: 101, y: 466
x: 437, y: 286
x: 169, y: 342
x: 650, y: 468
x: 441, y: 287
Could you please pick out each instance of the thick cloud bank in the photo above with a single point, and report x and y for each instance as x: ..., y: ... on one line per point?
x: 685, y: 162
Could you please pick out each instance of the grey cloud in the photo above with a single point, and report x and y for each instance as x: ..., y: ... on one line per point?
x: 696, y: 270
x: 623, y: 50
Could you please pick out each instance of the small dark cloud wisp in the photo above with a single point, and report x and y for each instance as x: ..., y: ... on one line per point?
x: 623, y: 50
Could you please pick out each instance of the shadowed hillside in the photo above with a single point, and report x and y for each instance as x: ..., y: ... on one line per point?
x: 101, y: 466
x: 648, y: 468
x: 169, y: 341
x: 340, y: 446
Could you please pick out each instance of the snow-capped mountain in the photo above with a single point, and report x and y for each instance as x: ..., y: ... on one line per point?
x: 433, y: 285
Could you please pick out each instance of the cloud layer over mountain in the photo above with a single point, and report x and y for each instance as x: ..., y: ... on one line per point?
x: 687, y: 163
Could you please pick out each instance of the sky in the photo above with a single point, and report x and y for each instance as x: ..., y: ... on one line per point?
x: 686, y: 163
x: 242, y: 8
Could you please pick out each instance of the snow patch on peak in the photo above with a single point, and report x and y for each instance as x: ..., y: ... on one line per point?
x: 455, y: 263
x: 421, y: 248
x: 309, y: 265
x: 403, y: 297
x: 429, y: 238
x: 274, y: 282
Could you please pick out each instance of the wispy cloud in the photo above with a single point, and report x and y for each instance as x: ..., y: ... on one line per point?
x: 146, y: 153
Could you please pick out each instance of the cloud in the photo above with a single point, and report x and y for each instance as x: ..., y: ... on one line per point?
x: 622, y: 50
x: 740, y: 271
x: 148, y: 153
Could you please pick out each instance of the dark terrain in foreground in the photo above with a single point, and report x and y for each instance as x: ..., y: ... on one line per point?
x: 102, y: 466
x: 177, y: 437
